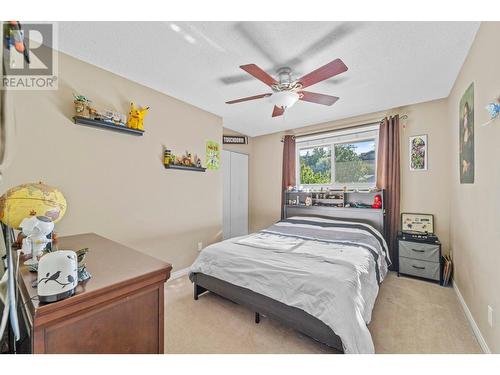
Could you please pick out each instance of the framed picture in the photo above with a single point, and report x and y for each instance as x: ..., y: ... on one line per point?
x: 418, y: 152
x: 466, y: 134
x: 420, y: 223
x: 212, y: 155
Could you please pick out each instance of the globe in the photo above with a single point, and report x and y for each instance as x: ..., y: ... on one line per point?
x: 36, y: 199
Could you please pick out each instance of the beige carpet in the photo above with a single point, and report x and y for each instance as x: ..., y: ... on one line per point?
x: 410, y: 316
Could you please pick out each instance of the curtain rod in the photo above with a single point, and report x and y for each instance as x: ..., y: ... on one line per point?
x: 365, y: 123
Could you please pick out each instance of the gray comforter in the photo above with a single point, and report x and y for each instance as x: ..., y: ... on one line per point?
x: 330, y: 269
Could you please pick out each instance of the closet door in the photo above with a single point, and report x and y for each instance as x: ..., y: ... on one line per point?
x: 239, y: 194
x: 226, y: 194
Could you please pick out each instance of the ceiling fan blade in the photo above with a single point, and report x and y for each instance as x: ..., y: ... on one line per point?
x: 278, y: 111
x: 248, y: 98
x: 258, y: 73
x: 329, y: 70
x: 314, y: 97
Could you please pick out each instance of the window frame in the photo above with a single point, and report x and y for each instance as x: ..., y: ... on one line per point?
x: 340, y: 136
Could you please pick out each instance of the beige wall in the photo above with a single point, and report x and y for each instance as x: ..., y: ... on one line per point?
x: 422, y: 191
x: 115, y: 184
x: 475, y: 208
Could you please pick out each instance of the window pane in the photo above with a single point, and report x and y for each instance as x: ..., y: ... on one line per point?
x: 315, y: 165
x: 355, y: 162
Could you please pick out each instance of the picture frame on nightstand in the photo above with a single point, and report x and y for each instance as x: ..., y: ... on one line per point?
x: 414, y: 222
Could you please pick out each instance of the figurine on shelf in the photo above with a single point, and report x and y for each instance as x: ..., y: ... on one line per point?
x: 186, y: 159
x: 308, y: 201
x: 81, y: 105
x: 136, y: 117
x: 167, y: 157
x: 118, y: 119
x: 92, y: 112
x: 105, y: 115
x: 377, y: 201
x: 197, y: 161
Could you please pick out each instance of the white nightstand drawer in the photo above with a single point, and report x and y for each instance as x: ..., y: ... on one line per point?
x: 417, y: 250
x: 420, y: 268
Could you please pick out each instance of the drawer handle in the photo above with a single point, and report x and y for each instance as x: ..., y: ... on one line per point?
x: 418, y: 268
x: 418, y: 251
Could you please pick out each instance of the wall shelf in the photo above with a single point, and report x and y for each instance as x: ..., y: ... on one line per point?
x: 184, y: 167
x: 106, y: 125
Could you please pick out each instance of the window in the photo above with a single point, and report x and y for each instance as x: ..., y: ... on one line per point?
x: 345, y: 158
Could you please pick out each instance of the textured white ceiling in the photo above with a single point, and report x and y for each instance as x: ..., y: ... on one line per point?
x: 390, y: 63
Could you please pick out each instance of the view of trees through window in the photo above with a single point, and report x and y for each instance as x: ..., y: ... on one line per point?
x: 316, y: 165
x: 354, y: 163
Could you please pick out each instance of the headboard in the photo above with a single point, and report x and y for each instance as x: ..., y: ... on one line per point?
x: 373, y: 217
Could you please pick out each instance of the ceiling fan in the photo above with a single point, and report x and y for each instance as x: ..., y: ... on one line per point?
x: 286, y: 91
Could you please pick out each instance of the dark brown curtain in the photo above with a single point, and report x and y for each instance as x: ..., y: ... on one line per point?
x: 388, y: 171
x: 288, y: 177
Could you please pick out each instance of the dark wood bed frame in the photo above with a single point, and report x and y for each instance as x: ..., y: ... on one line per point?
x: 291, y: 316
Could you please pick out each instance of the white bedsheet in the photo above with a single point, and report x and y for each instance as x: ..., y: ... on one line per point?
x: 270, y: 241
x: 334, y: 282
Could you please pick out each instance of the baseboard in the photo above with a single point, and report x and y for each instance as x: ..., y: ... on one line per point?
x: 176, y: 274
x: 472, y: 322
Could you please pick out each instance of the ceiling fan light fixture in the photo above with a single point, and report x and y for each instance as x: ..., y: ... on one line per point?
x: 284, y: 99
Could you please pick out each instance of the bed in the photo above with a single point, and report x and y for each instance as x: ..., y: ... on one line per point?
x: 318, y: 275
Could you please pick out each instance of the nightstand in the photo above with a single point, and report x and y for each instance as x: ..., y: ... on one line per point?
x: 420, y: 259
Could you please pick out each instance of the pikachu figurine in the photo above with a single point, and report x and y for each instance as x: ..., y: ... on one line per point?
x: 136, y: 117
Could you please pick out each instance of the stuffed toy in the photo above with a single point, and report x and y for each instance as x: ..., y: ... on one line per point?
x: 136, y: 117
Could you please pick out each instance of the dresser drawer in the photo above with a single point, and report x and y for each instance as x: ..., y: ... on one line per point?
x: 420, y: 268
x: 417, y: 250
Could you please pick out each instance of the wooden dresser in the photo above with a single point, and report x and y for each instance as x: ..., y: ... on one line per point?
x: 119, y: 310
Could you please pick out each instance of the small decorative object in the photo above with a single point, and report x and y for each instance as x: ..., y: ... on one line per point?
x: 377, y: 201
x: 37, y: 231
x: 81, y: 105
x: 212, y: 155
x: 308, y: 201
x: 57, y: 276
x: 234, y: 140
x: 493, y: 111
x: 104, y: 115
x: 197, y: 161
x: 418, y: 153
x: 118, y: 118
x: 186, y: 160
x: 92, y: 112
x: 466, y: 134
x: 421, y: 223
x: 28, y: 200
x: 136, y: 117
x: 83, y: 274
x: 167, y: 157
